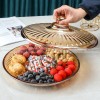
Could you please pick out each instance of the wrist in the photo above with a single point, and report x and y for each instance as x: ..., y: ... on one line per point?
x: 82, y: 12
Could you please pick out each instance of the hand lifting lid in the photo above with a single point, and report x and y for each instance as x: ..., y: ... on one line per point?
x: 60, y: 36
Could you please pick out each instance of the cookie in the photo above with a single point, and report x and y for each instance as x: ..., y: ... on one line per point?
x: 17, y: 58
x: 16, y: 69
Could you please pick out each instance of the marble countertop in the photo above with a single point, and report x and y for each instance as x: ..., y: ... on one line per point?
x: 84, y: 85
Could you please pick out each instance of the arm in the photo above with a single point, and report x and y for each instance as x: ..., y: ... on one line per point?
x: 92, y: 7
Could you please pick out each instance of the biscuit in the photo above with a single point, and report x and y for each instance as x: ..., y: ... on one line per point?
x: 17, y: 58
x: 16, y: 69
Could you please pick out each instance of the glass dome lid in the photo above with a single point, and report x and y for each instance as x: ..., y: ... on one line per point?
x: 59, y: 36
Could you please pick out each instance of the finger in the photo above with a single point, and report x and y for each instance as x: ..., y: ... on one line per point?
x: 65, y: 21
x: 57, y: 12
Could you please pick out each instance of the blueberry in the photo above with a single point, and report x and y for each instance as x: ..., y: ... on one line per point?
x: 29, y: 80
x: 41, y: 81
x: 43, y: 78
x: 35, y: 73
x: 45, y: 81
x: 20, y: 77
x: 47, y: 77
x: 33, y: 81
x: 25, y: 79
x: 53, y: 81
x: 51, y: 76
x: 30, y: 76
x: 49, y: 80
x: 26, y: 74
x: 37, y: 77
x: 43, y: 74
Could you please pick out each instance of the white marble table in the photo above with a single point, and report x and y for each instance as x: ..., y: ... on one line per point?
x: 84, y: 86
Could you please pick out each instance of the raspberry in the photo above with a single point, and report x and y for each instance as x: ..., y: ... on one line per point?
x: 72, y: 67
x: 58, y: 78
x: 60, y: 68
x: 70, y: 62
x: 62, y: 73
x: 60, y: 62
x: 53, y: 71
x: 68, y: 71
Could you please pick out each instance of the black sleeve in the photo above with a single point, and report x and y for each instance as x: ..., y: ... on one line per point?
x: 92, y: 7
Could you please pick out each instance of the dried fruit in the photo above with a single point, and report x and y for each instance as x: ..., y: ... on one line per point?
x: 26, y: 54
x: 39, y: 52
x: 31, y: 45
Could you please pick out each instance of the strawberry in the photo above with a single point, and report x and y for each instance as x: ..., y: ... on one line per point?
x: 58, y: 78
x: 60, y: 68
x: 72, y: 67
x: 70, y: 62
x: 62, y: 73
x: 60, y: 63
x: 68, y: 71
x: 53, y: 71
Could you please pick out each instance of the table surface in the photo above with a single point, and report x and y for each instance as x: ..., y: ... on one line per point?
x: 84, y: 85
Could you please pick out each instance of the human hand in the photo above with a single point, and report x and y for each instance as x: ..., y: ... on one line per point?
x: 70, y: 14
